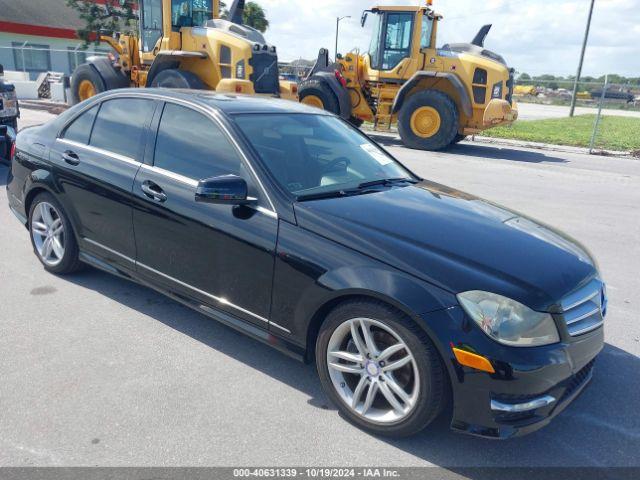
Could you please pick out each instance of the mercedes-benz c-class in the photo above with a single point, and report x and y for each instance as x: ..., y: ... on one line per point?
x: 285, y: 222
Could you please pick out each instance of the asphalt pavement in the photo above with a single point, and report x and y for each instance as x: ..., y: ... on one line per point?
x: 95, y: 370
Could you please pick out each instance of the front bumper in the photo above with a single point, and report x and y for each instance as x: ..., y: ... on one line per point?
x: 529, y: 387
x: 499, y: 112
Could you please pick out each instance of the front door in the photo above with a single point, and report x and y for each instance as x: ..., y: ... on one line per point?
x: 220, y: 255
x: 391, y: 41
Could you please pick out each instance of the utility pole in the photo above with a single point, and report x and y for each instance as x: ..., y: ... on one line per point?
x: 584, y: 46
x: 335, y: 58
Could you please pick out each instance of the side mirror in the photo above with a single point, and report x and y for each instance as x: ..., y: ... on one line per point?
x: 224, y: 190
x: 363, y: 19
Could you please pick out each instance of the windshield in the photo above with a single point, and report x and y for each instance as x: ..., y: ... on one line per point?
x: 317, y: 154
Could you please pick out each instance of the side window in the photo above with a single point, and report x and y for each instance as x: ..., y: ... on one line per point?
x: 425, y: 33
x: 120, y: 125
x: 190, y: 144
x: 80, y: 128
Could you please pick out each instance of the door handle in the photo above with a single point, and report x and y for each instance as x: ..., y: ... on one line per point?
x: 153, y: 191
x: 71, y: 158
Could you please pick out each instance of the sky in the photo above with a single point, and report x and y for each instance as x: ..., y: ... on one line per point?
x: 534, y: 36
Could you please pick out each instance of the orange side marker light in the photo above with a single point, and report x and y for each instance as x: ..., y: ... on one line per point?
x: 473, y: 360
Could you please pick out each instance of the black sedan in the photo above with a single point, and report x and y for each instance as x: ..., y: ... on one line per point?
x: 290, y: 225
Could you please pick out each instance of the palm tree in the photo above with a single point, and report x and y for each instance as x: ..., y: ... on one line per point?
x: 255, y: 17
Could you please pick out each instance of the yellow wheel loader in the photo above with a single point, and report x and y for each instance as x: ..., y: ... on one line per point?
x: 437, y: 96
x: 184, y: 44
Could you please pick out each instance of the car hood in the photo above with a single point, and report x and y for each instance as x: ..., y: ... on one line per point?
x: 455, y: 241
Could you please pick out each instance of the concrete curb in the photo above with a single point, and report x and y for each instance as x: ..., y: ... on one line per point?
x: 519, y: 144
x: 550, y: 146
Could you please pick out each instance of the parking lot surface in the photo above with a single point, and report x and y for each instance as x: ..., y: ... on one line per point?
x: 95, y: 370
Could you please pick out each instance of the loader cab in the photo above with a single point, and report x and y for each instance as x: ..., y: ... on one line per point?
x: 399, y: 35
x: 161, y: 18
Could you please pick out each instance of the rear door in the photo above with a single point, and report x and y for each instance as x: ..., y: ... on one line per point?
x: 220, y: 255
x: 97, y: 157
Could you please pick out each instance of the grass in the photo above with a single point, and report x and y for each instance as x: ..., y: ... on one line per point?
x: 614, y: 133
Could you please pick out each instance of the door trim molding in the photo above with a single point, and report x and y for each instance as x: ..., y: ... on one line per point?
x: 220, y: 300
x: 110, y: 250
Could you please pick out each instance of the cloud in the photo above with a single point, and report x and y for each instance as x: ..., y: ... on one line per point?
x: 535, y: 36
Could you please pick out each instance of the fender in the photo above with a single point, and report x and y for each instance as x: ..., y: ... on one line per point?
x: 417, y: 299
x: 319, y: 272
x: 168, y: 59
x: 111, y: 77
x: 465, y: 101
x: 39, y: 179
x: 341, y: 93
x: 406, y: 293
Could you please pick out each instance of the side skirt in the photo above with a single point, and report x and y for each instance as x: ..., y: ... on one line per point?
x: 264, y: 336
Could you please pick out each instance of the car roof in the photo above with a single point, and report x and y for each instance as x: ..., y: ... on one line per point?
x: 227, y: 103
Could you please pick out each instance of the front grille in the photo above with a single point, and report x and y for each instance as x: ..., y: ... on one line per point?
x: 578, y: 380
x: 584, y: 309
x: 265, y: 72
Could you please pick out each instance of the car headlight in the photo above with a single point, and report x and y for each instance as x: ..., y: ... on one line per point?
x: 508, y: 321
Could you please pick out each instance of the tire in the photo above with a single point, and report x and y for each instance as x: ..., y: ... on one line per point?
x: 173, y: 78
x: 68, y: 261
x: 356, y: 122
x: 85, y: 83
x: 426, y: 390
x: 441, y: 126
x: 458, y: 138
x: 318, y: 94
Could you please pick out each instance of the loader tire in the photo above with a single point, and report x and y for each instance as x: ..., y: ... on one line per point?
x: 173, y: 78
x: 428, y: 120
x: 355, y: 121
x: 316, y: 93
x: 458, y: 138
x: 85, y: 83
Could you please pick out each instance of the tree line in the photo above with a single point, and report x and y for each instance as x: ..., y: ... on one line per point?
x: 586, y: 82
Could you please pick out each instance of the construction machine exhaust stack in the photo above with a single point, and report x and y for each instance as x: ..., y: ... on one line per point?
x: 236, y: 12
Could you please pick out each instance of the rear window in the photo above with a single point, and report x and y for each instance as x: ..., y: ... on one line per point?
x: 120, y: 124
x: 80, y: 129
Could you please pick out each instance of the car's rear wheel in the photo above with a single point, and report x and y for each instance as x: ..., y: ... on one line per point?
x: 380, y: 369
x: 52, y: 236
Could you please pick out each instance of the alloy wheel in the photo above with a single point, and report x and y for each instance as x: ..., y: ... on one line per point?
x: 373, y: 370
x: 47, y: 230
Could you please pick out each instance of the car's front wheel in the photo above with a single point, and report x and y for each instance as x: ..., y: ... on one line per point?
x: 52, y: 236
x: 380, y: 369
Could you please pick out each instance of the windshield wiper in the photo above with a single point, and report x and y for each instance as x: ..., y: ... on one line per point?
x: 385, y: 181
x: 359, y: 190
x: 318, y: 195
